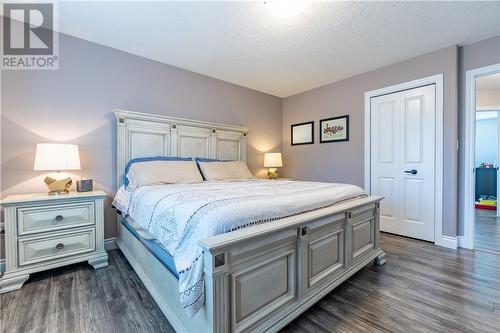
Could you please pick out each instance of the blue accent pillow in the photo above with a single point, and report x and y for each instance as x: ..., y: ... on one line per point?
x: 202, y: 159
x: 148, y: 159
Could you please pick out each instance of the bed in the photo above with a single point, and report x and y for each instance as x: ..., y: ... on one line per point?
x: 256, y: 277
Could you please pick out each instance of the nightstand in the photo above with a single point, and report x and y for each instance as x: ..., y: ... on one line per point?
x: 46, y: 231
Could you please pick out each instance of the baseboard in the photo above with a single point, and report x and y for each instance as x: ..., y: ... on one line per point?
x: 110, y: 244
x: 450, y: 242
x: 461, y: 241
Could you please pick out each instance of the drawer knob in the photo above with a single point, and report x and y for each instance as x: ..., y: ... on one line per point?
x: 59, y: 218
x: 60, y: 246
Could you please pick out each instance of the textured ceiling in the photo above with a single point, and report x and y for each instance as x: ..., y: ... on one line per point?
x: 243, y: 43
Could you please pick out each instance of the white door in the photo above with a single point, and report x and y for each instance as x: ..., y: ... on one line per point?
x: 403, y: 160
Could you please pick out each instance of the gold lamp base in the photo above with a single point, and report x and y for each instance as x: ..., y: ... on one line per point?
x: 58, y: 186
x: 272, y: 173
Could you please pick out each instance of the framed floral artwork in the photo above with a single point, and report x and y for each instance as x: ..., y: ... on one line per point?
x: 334, y: 129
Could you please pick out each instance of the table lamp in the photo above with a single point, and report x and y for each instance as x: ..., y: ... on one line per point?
x: 272, y: 161
x: 57, y: 157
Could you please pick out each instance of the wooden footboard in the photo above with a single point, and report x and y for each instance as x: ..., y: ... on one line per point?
x: 261, y: 278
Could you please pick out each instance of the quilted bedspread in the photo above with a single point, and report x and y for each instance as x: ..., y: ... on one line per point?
x: 180, y: 215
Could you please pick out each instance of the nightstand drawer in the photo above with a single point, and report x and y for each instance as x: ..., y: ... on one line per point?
x: 54, y: 217
x: 57, y: 245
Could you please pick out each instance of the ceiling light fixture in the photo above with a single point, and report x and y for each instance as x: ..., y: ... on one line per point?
x: 287, y: 8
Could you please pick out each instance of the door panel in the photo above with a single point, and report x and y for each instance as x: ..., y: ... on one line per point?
x: 385, y: 161
x: 403, y: 161
x: 388, y: 187
x: 386, y: 135
x: 385, y: 175
x: 413, y: 130
x: 412, y: 197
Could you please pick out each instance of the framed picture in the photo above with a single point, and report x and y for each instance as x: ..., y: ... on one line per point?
x: 334, y: 129
x: 303, y: 133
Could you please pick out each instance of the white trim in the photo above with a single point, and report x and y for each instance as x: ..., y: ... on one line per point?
x: 470, y: 149
x: 110, y: 244
x: 449, y: 242
x: 461, y: 241
x: 488, y: 108
x: 438, y: 204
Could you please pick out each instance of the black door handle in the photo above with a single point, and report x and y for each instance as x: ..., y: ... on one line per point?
x: 413, y: 172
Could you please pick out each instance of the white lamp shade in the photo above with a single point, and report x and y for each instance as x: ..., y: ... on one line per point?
x: 56, y: 157
x: 272, y: 160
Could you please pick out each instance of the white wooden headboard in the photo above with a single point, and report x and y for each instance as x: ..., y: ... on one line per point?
x: 142, y: 134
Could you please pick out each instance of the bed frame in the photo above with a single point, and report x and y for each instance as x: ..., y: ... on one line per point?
x: 259, y: 278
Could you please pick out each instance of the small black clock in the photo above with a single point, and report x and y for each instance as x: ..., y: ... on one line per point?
x: 84, y: 185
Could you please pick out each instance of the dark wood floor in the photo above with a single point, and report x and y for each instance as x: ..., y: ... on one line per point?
x: 422, y: 288
x: 487, y: 230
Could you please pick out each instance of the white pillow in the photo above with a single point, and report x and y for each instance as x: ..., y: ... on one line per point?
x: 163, y: 172
x: 234, y: 170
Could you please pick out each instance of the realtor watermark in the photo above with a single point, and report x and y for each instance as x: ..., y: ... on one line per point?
x: 29, y: 38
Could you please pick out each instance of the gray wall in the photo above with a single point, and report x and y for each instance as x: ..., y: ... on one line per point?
x: 480, y: 54
x: 343, y: 161
x: 74, y: 104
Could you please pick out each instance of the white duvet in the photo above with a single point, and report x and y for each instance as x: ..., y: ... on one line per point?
x: 180, y: 215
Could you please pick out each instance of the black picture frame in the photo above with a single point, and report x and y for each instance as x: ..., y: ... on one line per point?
x: 321, y: 140
x: 308, y: 123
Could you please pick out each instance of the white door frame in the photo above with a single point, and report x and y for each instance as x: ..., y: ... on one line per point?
x: 439, y: 238
x: 470, y: 149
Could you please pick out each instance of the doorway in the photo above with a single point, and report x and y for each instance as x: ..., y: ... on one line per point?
x: 479, y: 107
x: 403, y: 157
x: 486, y: 215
